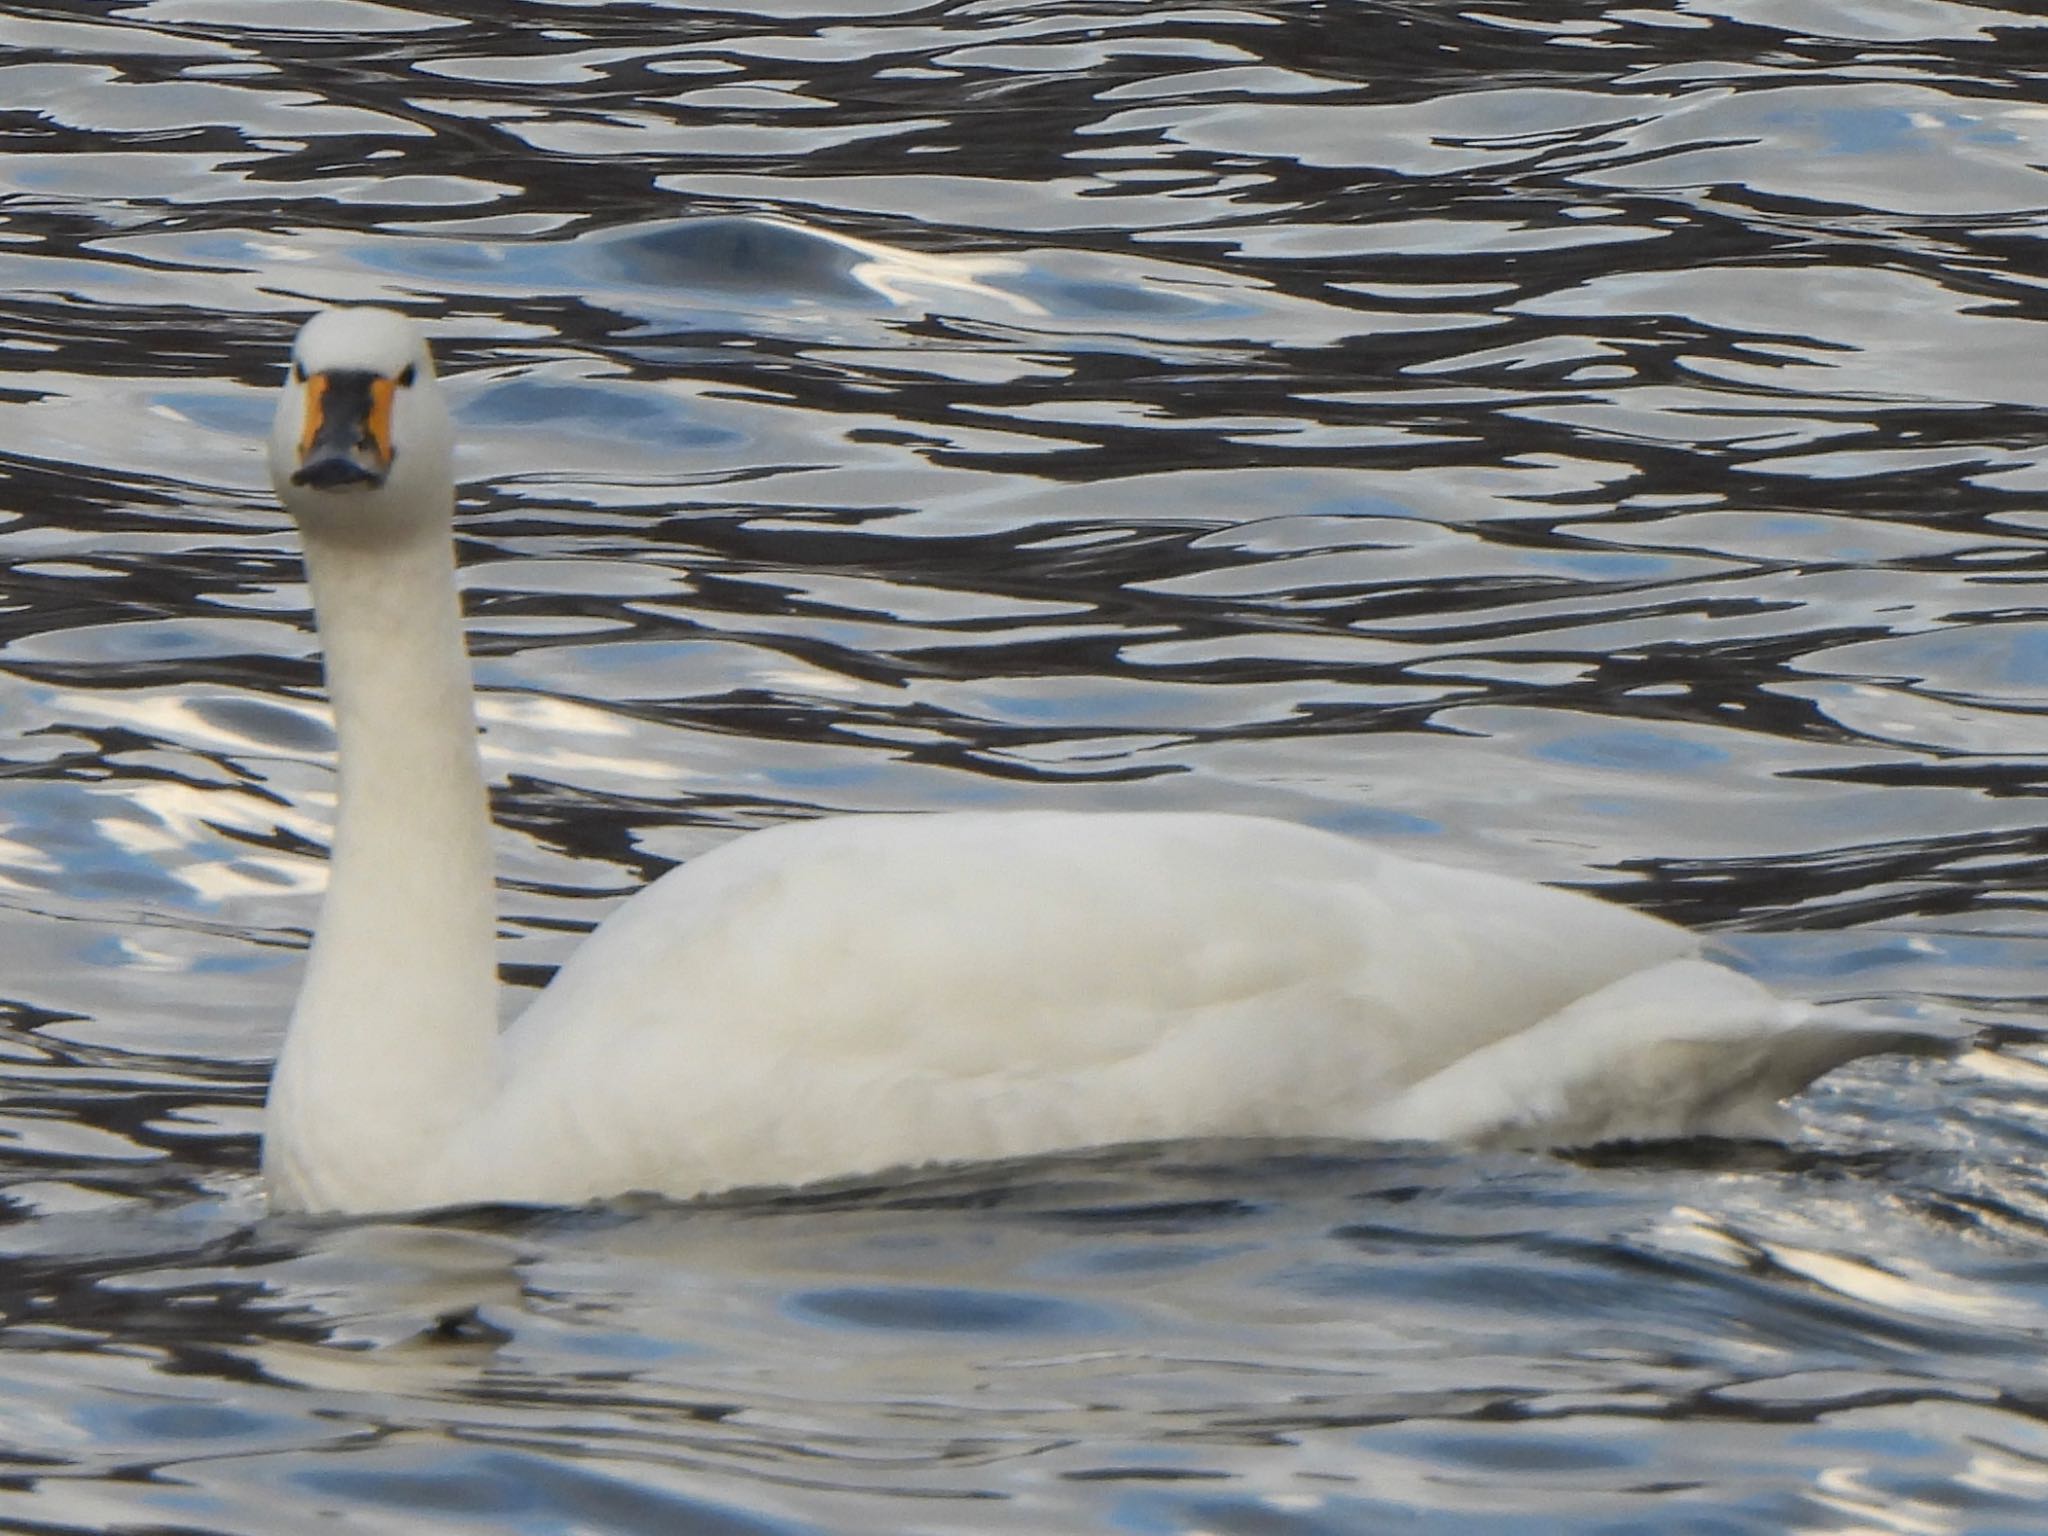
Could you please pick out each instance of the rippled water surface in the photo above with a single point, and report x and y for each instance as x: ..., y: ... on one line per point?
x: 1605, y: 445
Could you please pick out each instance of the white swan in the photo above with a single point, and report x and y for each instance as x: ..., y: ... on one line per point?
x: 861, y: 992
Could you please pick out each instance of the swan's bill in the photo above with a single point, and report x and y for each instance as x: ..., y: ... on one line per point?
x: 345, y: 440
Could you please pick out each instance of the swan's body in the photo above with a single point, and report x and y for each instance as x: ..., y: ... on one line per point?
x: 861, y: 992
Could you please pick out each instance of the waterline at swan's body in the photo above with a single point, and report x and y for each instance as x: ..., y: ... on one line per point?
x: 856, y: 993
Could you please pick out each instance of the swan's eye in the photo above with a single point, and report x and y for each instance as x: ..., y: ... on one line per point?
x: 298, y: 370
x: 412, y: 371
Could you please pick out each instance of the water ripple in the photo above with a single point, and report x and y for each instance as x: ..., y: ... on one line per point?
x: 1598, y: 444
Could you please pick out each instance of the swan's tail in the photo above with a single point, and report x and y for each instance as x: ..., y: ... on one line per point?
x: 1686, y: 1048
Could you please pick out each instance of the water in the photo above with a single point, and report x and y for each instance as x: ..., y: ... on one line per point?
x: 1600, y: 444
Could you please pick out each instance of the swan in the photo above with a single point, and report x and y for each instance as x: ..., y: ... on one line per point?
x: 862, y: 992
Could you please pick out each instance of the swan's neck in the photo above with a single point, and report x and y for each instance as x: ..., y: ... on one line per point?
x: 393, y: 1041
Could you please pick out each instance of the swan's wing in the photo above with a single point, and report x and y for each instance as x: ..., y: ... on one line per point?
x: 851, y: 993
x: 979, y: 942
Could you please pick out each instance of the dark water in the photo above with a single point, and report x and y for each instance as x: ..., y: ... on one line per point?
x: 1605, y: 445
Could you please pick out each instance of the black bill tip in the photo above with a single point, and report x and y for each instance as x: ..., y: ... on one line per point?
x: 335, y: 472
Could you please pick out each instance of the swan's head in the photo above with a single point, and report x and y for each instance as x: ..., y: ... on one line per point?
x: 361, y: 439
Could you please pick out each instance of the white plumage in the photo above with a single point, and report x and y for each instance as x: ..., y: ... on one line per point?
x: 862, y: 992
